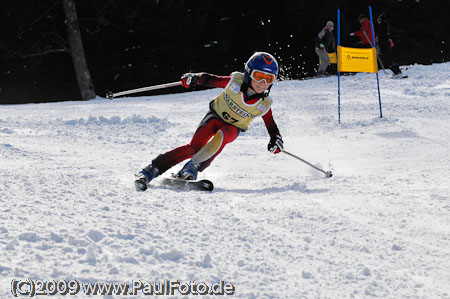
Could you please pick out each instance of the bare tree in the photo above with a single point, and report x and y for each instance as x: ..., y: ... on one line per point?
x: 77, y: 51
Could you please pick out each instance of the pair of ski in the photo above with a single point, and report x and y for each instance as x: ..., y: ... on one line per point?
x: 206, y: 185
x: 175, y: 182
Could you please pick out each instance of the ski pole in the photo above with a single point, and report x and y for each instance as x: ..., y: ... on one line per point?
x: 378, y: 57
x: 110, y: 95
x: 328, y: 174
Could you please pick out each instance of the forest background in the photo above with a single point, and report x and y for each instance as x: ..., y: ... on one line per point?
x: 131, y: 44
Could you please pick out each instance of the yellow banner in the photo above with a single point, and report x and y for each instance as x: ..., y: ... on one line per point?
x: 332, y: 57
x: 360, y: 60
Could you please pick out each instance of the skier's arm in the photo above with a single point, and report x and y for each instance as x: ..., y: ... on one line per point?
x: 364, y: 29
x: 359, y: 34
x: 214, y: 80
x: 365, y: 32
x: 276, y: 142
x: 190, y: 80
x: 270, y: 124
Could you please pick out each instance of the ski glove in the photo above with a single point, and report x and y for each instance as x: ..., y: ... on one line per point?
x: 391, y: 43
x: 189, y: 80
x: 275, y: 145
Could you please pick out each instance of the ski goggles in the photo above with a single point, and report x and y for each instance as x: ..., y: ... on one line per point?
x: 259, y: 76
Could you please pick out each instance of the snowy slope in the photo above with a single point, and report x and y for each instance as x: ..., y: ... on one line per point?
x: 273, y: 227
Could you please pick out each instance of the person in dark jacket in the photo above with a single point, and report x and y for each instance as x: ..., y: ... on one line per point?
x: 325, y: 44
x: 385, y: 45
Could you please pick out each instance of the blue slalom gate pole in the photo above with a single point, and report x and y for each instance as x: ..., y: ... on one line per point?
x: 337, y: 58
x: 374, y: 45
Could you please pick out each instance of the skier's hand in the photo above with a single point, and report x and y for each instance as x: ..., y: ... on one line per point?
x: 322, y: 46
x: 391, y: 43
x: 189, y: 80
x: 275, y: 145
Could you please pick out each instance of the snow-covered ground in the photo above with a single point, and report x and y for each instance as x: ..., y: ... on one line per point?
x: 273, y: 227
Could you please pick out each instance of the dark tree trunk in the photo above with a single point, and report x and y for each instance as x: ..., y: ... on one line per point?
x: 77, y: 51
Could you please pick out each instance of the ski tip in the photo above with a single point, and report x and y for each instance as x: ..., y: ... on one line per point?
x: 207, y: 185
x: 139, y: 186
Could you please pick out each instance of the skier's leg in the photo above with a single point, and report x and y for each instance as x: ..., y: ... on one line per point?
x: 206, y: 155
x: 396, y: 69
x: 392, y: 66
x: 324, y: 60
x: 386, y: 57
x: 165, y: 161
x: 204, y: 132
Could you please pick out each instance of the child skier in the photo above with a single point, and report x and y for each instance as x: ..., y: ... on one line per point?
x: 245, y: 96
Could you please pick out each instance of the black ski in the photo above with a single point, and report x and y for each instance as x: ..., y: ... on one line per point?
x: 202, y: 185
x: 402, y: 77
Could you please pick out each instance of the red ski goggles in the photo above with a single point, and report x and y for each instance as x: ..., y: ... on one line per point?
x: 259, y: 76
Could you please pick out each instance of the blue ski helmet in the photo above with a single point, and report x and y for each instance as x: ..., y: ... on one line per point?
x: 261, y: 61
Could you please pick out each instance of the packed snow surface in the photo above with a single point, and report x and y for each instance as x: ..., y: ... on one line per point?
x: 273, y: 227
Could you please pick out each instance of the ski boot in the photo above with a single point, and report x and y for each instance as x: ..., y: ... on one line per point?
x: 144, y: 177
x: 189, y: 171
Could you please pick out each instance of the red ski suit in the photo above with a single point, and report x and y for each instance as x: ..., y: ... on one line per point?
x: 208, y: 128
x: 364, y: 33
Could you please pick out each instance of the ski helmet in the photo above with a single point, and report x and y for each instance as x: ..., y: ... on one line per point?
x: 261, y: 61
